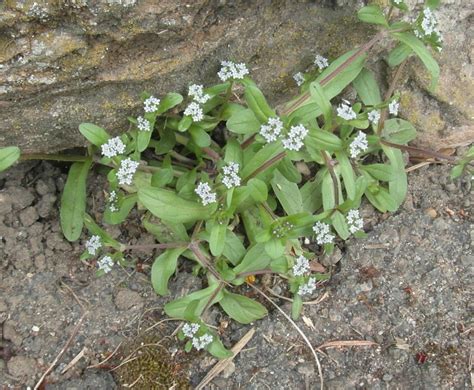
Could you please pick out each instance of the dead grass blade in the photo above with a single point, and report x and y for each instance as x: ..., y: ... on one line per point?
x: 346, y: 343
x: 74, y: 361
x: 222, y: 364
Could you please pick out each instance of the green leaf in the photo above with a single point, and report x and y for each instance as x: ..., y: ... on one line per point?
x: 274, y: 248
x: 234, y: 249
x: 382, y: 172
x: 233, y: 151
x: 162, y: 177
x: 73, y: 200
x: 287, y: 193
x: 381, y: 199
x: 323, y: 140
x: 185, y: 123
x: 171, y: 100
x: 319, y: 96
x: 166, y: 231
x: 422, y: 52
x: 398, y: 131
x: 217, y: 349
x: 432, y: 3
x: 217, y: 238
x: 398, y: 186
x: 143, y: 139
x: 177, y: 308
x: 347, y: 174
x: 263, y: 155
x: 94, y: 134
x: 296, y: 307
x: 8, y: 156
x: 311, y: 193
x: 257, y: 103
x: 243, y: 122
x: 166, y: 142
x: 367, y: 88
x: 200, y: 137
x: 340, y: 224
x: 258, y: 189
x: 457, y: 171
x: 125, y: 204
x: 230, y: 109
x: 288, y: 169
x: 329, y: 199
x: 398, y: 55
x: 169, y: 206
x: 163, y: 267
x: 242, y: 309
x: 372, y: 14
x: 255, y: 259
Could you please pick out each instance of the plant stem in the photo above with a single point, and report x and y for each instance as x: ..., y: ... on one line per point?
x: 194, y: 247
x: 266, y: 165
x: 306, y: 96
x: 330, y: 167
x: 247, y: 142
x: 389, y: 93
x: 213, y: 295
x: 156, y: 246
x: 53, y: 157
x: 412, y: 149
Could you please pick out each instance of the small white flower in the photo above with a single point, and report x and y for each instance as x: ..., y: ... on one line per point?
x: 195, y: 111
x: 321, y: 62
x: 346, y: 112
x: 397, y: 1
x: 203, y: 190
x: 354, y: 221
x: 230, y: 70
x: 295, y: 137
x: 202, y: 342
x: 231, y: 175
x: 197, y: 92
x: 374, y: 117
x: 393, y: 107
x: 359, y: 144
x: 93, y: 244
x: 299, y: 79
x: 429, y: 24
x: 307, y: 288
x: 190, y: 330
x: 105, y: 264
x: 301, y: 266
x: 323, y: 235
x: 127, y: 169
x: 151, y: 104
x: 143, y: 124
x: 272, y: 129
x: 113, y: 147
x: 113, y: 201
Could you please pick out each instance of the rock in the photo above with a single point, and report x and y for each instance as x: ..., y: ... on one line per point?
x: 46, y: 205
x: 20, y: 197
x: 431, y: 212
x: 127, y: 299
x: 69, y: 62
x: 10, y: 333
x: 22, y: 367
x: 29, y: 216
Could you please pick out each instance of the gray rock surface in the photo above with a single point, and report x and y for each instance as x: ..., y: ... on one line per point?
x: 63, y: 63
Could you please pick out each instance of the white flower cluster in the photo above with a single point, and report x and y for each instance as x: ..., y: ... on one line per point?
x: 197, y: 92
x: 321, y: 62
x: 354, y: 221
x: 230, y: 70
x: 345, y: 111
x: 105, y: 264
x: 307, y: 288
x: 301, y: 266
x: 190, y: 330
x: 195, y: 111
x: 294, y: 139
x: 143, y: 124
x: 113, y: 201
x: 113, y: 147
x: 127, y: 169
x: 393, y: 107
x: 231, y: 175
x: 93, y: 244
x: 202, y: 342
x: 272, y: 129
x: 151, y: 104
x: 299, y: 79
x: 359, y: 144
x: 323, y: 235
x: 204, y: 192
x: 429, y: 24
x: 397, y: 1
x: 374, y: 117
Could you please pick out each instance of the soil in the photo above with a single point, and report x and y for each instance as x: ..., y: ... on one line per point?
x: 404, y: 290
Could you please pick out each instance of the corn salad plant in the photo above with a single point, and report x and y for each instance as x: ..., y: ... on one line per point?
x: 217, y: 175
